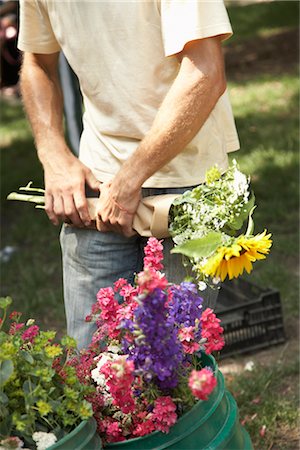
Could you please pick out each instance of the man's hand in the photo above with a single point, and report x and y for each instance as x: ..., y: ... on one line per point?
x: 115, y: 210
x: 65, y: 180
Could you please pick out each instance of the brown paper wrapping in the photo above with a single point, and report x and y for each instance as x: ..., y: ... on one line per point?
x: 151, y: 218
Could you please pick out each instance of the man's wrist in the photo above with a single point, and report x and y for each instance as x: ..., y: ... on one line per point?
x: 51, y: 149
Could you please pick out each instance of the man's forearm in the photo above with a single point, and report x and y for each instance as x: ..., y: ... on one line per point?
x: 194, y: 93
x: 43, y: 103
x: 184, y: 110
x: 65, y: 175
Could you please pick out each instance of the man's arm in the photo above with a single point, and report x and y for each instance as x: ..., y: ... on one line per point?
x: 194, y: 93
x: 65, y: 175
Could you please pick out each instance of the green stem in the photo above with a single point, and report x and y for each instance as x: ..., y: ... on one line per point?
x: 38, y: 199
x: 29, y: 188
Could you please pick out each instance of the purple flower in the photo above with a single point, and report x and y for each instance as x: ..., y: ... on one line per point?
x: 157, y: 353
x: 185, y: 305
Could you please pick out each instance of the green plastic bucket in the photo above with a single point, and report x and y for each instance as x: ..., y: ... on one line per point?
x: 83, y: 437
x: 209, y: 425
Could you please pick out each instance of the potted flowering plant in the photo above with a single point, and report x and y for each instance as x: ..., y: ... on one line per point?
x: 150, y: 362
x: 41, y: 398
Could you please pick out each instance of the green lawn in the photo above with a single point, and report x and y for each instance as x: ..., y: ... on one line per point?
x: 267, y: 115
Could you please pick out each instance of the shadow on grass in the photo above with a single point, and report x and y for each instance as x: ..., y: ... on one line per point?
x: 19, y: 164
x: 33, y: 275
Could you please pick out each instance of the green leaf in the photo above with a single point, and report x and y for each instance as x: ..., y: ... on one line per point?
x: 28, y: 387
x: 5, y: 302
x: 27, y: 356
x: 3, y: 398
x: 237, y: 222
x: 6, y: 370
x: 250, y: 227
x: 200, y: 248
x: 6, y: 422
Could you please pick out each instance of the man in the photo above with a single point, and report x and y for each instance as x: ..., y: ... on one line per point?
x: 157, y: 116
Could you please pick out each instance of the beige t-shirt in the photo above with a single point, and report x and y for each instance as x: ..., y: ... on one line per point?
x: 123, y: 53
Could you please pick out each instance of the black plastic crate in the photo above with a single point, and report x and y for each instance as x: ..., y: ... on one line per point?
x: 251, y: 317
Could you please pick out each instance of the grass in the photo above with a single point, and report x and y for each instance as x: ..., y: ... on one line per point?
x: 267, y: 117
x: 32, y: 277
x: 268, y: 404
x: 261, y: 19
x: 266, y: 113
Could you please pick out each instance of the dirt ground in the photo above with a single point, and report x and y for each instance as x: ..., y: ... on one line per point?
x: 272, y: 54
x: 266, y: 357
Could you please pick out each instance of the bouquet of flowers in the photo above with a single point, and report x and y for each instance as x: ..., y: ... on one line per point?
x: 203, y: 223
x: 144, y: 358
x: 41, y: 397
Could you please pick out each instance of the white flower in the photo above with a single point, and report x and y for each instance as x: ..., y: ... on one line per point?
x: 240, y: 183
x: 113, y: 348
x: 216, y: 280
x: 97, y: 376
x: 44, y: 440
x: 30, y: 322
x: 202, y: 286
x: 249, y: 366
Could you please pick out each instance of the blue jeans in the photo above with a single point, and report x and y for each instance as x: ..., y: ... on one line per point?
x: 92, y: 260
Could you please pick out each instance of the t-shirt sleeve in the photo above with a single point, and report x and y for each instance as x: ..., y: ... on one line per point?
x: 35, y: 33
x: 183, y: 21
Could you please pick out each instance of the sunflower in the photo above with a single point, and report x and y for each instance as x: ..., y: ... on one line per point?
x: 237, y: 257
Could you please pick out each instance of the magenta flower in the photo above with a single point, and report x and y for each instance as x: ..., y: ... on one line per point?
x: 164, y: 413
x: 30, y: 333
x: 150, y: 279
x: 119, y: 379
x: 186, y: 336
x: 212, y: 331
x: 202, y: 383
x: 14, y: 327
x: 153, y: 254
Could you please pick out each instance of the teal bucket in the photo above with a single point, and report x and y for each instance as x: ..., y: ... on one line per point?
x: 209, y: 425
x: 83, y: 437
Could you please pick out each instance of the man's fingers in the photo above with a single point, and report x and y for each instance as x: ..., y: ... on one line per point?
x: 49, y: 202
x: 82, y: 208
x: 101, y: 226
x: 70, y: 211
x: 92, y: 181
x: 58, y: 208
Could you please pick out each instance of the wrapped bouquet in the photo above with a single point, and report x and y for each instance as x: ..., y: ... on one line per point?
x: 203, y: 223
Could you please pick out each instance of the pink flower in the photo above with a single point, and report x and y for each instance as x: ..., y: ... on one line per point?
x: 143, y: 428
x: 119, y: 284
x: 153, y: 254
x: 186, y: 336
x: 211, y: 331
x: 12, y: 442
x: 109, y: 308
x: 149, y: 279
x: 202, y: 383
x: 128, y: 292
x: 164, y: 414
x: 30, y: 333
x: 14, y: 327
x: 86, y: 364
x: 112, y: 429
x: 119, y: 379
x: 14, y: 315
